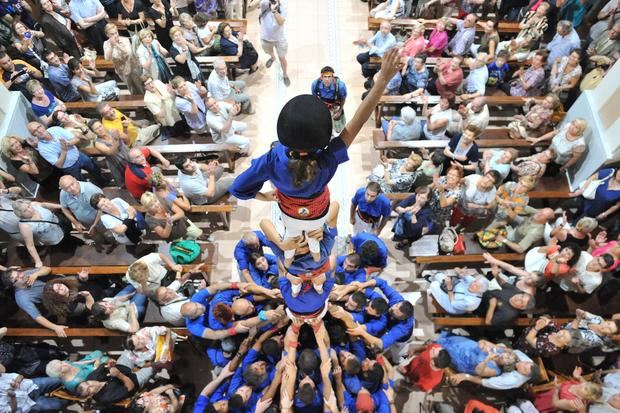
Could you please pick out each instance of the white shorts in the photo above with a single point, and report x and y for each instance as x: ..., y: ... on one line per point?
x: 281, y: 47
x: 296, y: 227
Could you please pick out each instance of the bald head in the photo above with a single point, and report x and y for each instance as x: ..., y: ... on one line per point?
x: 192, y: 310
x: 544, y: 215
x: 69, y: 184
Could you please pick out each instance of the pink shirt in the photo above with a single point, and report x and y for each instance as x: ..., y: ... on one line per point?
x: 413, y: 46
x: 604, y: 249
x: 438, y: 40
x: 453, y: 79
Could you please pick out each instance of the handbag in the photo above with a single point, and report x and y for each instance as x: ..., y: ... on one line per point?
x: 447, y: 240
x: 184, y: 252
x: 592, y: 79
x: 459, y: 245
x: 589, y: 192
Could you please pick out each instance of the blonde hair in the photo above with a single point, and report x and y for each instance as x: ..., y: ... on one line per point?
x: 148, y: 199
x: 145, y: 32
x: 528, y: 180
x: 108, y: 28
x: 138, y: 272
x: 580, y: 124
x: 593, y: 391
x: 176, y: 82
x: 157, y: 179
x: 6, y: 144
x: 174, y: 30
x: 586, y: 225
x: 416, y: 159
x: 32, y: 84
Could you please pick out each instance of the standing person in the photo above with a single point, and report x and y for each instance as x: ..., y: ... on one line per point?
x: 58, y: 28
x: 120, y: 52
x: 333, y: 92
x: 272, y: 18
x: 91, y: 18
x: 370, y: 209
x: 152, y: 56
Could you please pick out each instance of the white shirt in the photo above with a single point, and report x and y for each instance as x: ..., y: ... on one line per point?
x: 219, y: 87
x: 110, y: 221
x: 171, y: 312
x: 589, y: 280
x: 480, y: 119
x: 270, y: 30
x: 510, y: 380
x: 157, y: 271
x: 22, y: 398
x: 477, y: 80
x: 119, y: 319
x: 194, y: 186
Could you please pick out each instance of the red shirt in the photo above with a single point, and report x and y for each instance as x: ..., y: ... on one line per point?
x: 475, y: 404
x: 421, y: 374
x: 136, y: 185
x: 453, y: 79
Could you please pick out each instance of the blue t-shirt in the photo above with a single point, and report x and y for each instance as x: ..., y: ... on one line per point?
x: 306, y: 302
x: 198, y: 325
x: 363, y: 237
x: 497, y: 74
x: 272, y: 166
x: 219, y: 394
x: 242, y: 252
x: 329, y: 93
x: 604, y: 198
x: 349, y: 277
x: 225, y: 297
x: 305, y: 263
x: 261, y: 277
x: 378, y: 208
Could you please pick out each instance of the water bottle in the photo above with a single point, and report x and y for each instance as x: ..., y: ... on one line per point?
x: 27, y: 35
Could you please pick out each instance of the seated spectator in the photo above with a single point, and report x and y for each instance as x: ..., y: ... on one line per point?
x: 535, y: 22
x: 120, y: 312
x: 59, y: 76
x: 415, y: 74
x: 113, y: 148
x: 221, y: 88
x: 475, y: 113
x: 519, y: 49
x: 167, y: 220
x: 445, y: 193
x: 438, y: 39
x: 568, y: 143
x: 139, y: 169
x: 40, y: 226
x: 125, y: 223
x: 431, y: 166
x: 403, y: 128
x: 29, y: 161
x: 512, y: 200
x: 606, y: 199
x: 498, y: 69
x: 498, y: 161
x: 82, y: 81
x: 152, y: 57
x: 475, y: 83
x: 160, y: 102
x: 370, y: 209
x: 545, y: 338
x: 553, y: 260
x: 477, y: 358
x: 568, y: 394
x: 381, y: 42
x: 43, y: 102
x: 68, y: 298
x: 235, y: 44
x: 205, y: 30
x: 29, y: 395
x: 488, y: 41
x: 133, y: 135
x: 449, y: 77
x: 119, y: 51
x: 391, y: 9
x: 565, y: 40
x: 533, y: 165
x: 190, y: 102
x: 594, y: 330
x: 415, y: 44
x: 527, y: 82
x: 202, y: 183
x: 163, y: 189
x: 565, y: 74
x: 477, y: 202
x: 170, y: 300
x: 57, y: 146
x: 536, y: 120
x: 30, y: 44
x: 528, y: 232
x: 16, y: 73
x: 587, y: 274
x: 187, y: 25
x: 29, y: 293
x: 463, y: 150
x: 75, y: 203
x: 502, y: 307
x: 413, y: 220
x: 147, y: 273
x: 426, y: 370
x: 107, y: 385
x: 397, y: 175
x: 439, y: 118
x: 72, y: 373
x: 223, y: 128
x: 528, y: 282
x: 77, y: 125
x: 606, y: 47
x: 183, y: 53
x: 602, y: 246
x: 580, y: 233
x: 164, y: 397
x: 458, y: 295
x: 58, y: 27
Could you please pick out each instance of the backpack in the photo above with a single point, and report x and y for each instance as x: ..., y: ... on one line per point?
x: 317, y: 93
x: 185, y: 251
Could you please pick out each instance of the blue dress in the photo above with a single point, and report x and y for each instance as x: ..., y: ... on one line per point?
x: 604, y: 198
x: 465, y: 353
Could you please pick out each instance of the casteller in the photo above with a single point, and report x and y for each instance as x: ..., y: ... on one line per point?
x: 305, y: 124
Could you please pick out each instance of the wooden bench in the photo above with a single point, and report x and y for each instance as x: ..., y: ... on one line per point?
x: 504, y: 27
x: 73, y: 332
x: 124, y: 103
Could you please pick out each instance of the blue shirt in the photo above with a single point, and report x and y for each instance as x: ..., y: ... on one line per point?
x: 329, y: 93
x: 349, y: 277
x: 463, y: 302
x: 393, y: 86
x: 28, y: 298
x: 306, y: 302
x: 225, y: 297
x: 80, y: 205
x: 381, y: 43
x: 398, y: 330
x: 252, y: 357
x: 260, y: 277
x: 561, y: 46
x: 414, y: 78
x: 198, y: 325
x: 363, y: 237
x: 272, y: 166
x: 605, y: 198
x: 81, y: 9
x: 50, y: 150
x: 305, y: 263
x: 378, y: 208
x: 219, y: 394
x: 497, y: 73
x: 315, y: 405
x: 374, y: 325
x: 60, y: 79
x: 216, y: 355
x: 243, y: 252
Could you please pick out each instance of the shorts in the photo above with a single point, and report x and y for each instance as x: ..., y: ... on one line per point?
x: 281, y: 47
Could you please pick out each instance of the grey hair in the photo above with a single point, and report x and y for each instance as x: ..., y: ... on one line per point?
x: 20, y: 206
x: 408, y: 115
x: 53, y: 368
x: 565, y: 25
x: 219, y: 62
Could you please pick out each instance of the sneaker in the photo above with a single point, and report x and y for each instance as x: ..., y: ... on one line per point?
x: 287, y: 81
x: 269, y: 63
